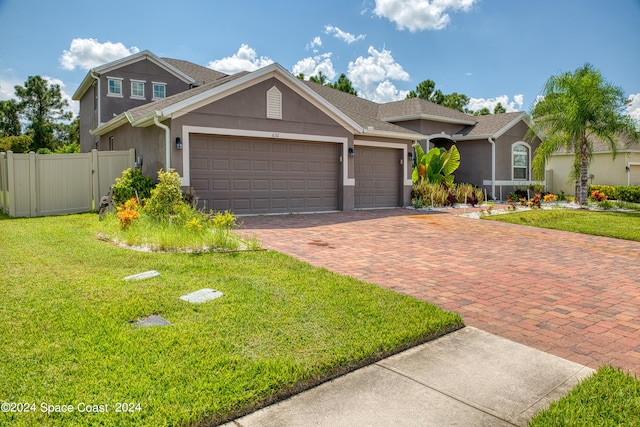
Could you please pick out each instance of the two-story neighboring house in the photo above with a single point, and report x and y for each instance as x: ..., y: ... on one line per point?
x: 267, y: 142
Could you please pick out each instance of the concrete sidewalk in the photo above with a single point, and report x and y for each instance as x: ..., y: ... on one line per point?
x: 468, y: 377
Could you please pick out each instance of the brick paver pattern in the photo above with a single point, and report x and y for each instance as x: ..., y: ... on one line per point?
x: 572, y: 295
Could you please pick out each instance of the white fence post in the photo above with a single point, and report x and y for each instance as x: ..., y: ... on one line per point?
x: 3, y: 182
x: 95, y: 178
x: 33, y: 188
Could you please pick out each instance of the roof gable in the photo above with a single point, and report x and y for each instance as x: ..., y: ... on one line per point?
x: 122, y: 62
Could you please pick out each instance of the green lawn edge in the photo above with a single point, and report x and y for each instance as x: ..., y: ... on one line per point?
x: 66, y: 335
x: 619, y: 225
x: 609, y: 397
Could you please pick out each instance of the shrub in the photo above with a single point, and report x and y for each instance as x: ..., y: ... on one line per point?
x: 469, y: 193
x: 166, y: 197
x: 17, y: 144
x: 608, y: 190
x: 597, y: 196
x: 73, y: 147
x: 550, y: 198
x: 128, y: 212
x: 431, y: 193
x: 629, y: 193
x: 131, y: 182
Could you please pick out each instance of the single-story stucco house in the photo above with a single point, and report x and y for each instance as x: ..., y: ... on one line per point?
x: 267, y: 142
x: 604, y: 169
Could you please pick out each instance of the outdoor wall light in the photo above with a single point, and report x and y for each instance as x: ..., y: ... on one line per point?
x: 178, y: 143
x: 138, y: 163
x: 627, y: 168
x: 410, y: 155
x: 351, y: 152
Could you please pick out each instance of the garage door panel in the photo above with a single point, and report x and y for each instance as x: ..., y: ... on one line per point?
x: 264, y: 176
x: 200, y: 164
x: 377, y: 176
x: 221, y: 165
x: 279, y: 166
x: 279, y: 185
x: 260, y: 166
x: 219, y: 185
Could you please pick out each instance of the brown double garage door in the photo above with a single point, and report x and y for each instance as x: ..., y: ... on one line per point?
x: 258, y: 176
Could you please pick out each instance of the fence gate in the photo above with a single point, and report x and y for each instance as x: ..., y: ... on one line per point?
x: 53, y: 184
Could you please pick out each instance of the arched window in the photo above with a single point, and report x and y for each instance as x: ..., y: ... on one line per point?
x: 520, y: 161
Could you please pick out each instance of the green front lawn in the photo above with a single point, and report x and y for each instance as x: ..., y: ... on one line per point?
x: 607, y: 398
x: 66, y: 336
x: 621, y: 225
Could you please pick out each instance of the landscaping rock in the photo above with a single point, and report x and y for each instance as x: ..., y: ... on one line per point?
x: 153, y: 320
x: 141, y: 276
x: 203, y: 295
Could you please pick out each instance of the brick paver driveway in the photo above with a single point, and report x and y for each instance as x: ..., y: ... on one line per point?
x: 571, y: 295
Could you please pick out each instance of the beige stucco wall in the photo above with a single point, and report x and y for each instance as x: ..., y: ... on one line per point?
x: 605, y: 169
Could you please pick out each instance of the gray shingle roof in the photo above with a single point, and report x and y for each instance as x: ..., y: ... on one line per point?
x: 417, y: 107
x: 200, y: 74
x: 489, y: 124
x: 362, y: 111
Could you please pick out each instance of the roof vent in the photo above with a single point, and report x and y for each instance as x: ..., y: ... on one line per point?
x: 274, y: 104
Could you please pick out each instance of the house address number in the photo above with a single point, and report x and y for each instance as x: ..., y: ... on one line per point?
x: 275, y: 135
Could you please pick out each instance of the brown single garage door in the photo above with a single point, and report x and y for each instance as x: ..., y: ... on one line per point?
x: 253, y: 176
x: 377, y: 175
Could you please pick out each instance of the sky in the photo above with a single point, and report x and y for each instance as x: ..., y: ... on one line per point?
x: 490, y: 50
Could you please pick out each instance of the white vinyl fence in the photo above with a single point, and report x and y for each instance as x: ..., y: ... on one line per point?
x: 53, y: 184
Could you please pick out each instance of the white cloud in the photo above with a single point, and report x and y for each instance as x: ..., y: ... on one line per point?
x: 89, y: 53
x: 372, y: 76
x: 312, y: 66
x: 8, y: 82
x: 418, y: 15
x: 633, y: 109
x: 315, y: 44
x: 343, y: 35
x: 476, y: 104
x: 245, y: 59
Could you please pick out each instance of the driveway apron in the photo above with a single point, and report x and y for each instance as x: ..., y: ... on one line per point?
x: 571, y: 295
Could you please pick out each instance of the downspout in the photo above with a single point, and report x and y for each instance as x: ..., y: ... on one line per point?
x: 493, y: 168
x: 167, y: 138
x: 97, y: 78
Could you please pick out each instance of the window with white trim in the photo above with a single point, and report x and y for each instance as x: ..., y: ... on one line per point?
x: 520, y: 161
x: 114, y: 86
x: 137, y: 89
x: 159, y: 90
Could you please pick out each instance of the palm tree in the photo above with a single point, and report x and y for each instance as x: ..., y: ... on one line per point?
x: 578, y: 107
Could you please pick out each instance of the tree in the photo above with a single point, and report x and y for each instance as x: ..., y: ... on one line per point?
x: 499, y: 109
x: 320, y: 78
x: 578, y: 107
x: 484, y: 111
x: 343, y: 84
x: 9, y: 119
x: 427, y: 90
x: 42, y: 105
x: 455, y: 100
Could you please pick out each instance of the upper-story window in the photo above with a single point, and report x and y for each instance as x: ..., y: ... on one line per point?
x: 520, y: 159
x: 114, y: 86
x: 159, y: 90
x: 137, y: 89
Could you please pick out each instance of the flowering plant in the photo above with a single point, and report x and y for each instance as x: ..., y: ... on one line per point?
x: 128, y: 212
